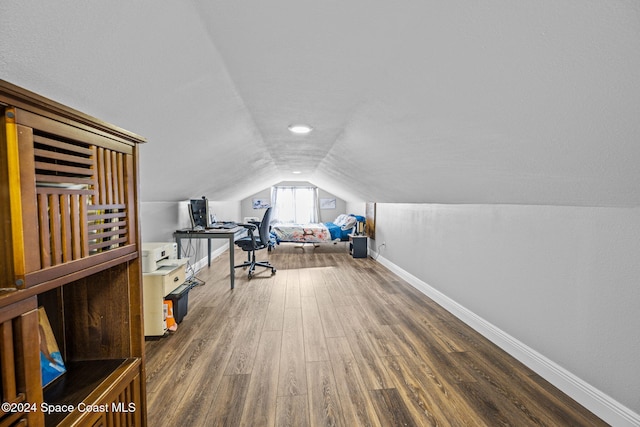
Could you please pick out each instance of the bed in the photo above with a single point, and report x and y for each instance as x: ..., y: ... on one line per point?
x: 335, y: 231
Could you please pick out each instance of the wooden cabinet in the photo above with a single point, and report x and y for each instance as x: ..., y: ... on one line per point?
x: 358, y: 246
x: 69, y: 242
x: 157, y: 285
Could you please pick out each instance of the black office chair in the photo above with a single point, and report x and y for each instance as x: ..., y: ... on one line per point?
x: 251, y: 243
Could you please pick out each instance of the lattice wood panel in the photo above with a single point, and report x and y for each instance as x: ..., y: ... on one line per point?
x: 19, y: 365
x: 122, y: 413
x: 81, y: 199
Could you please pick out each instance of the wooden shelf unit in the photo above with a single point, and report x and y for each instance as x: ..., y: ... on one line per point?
x: 70, y: 242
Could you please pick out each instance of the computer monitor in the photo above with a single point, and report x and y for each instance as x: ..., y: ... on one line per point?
x: 199, y: 212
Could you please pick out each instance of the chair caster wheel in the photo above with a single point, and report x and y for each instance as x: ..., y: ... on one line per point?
x: 273, y: 271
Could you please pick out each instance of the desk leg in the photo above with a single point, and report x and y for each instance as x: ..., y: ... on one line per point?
x: 209, y: 251
x: 232, y: 269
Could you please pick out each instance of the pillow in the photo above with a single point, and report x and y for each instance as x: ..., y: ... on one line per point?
x: 349, y: 223
x: 340, y: 219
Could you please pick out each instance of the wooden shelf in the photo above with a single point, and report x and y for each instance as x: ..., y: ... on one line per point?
x: 77, y: 384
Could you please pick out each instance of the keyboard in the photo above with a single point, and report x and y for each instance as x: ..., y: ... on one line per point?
x: 226, y: 224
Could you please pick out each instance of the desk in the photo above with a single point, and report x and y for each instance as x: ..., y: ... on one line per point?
x: 221, y: 233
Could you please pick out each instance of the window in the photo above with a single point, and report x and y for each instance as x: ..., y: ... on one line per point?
x: 295, y: 204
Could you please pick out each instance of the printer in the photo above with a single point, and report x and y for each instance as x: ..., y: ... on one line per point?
x: 163, y: 273
x: 157, y: 255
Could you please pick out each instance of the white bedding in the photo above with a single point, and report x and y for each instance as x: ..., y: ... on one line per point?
x: 311, y: 233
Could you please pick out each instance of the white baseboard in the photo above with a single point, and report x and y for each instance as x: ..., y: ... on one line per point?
x: 602, y: 405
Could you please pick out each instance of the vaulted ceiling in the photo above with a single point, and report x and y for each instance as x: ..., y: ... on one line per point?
x: 456, y: 101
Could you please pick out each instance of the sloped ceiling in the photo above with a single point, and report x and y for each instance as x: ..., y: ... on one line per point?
x: 417, y: 101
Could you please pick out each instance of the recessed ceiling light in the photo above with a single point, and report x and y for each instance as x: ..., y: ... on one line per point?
x: 297, y: 172
x: 300, y: 129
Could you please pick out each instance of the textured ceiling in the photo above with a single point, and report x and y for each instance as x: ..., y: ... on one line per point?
x: 420, y: 101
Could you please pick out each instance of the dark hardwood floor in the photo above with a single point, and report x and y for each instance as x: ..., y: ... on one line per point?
x: 331, y: 340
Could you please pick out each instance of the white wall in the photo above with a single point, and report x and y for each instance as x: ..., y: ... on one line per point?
x: 326, y: 215
x: 159, y: 220
x: 561, y: 280
x: 356, y: 208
